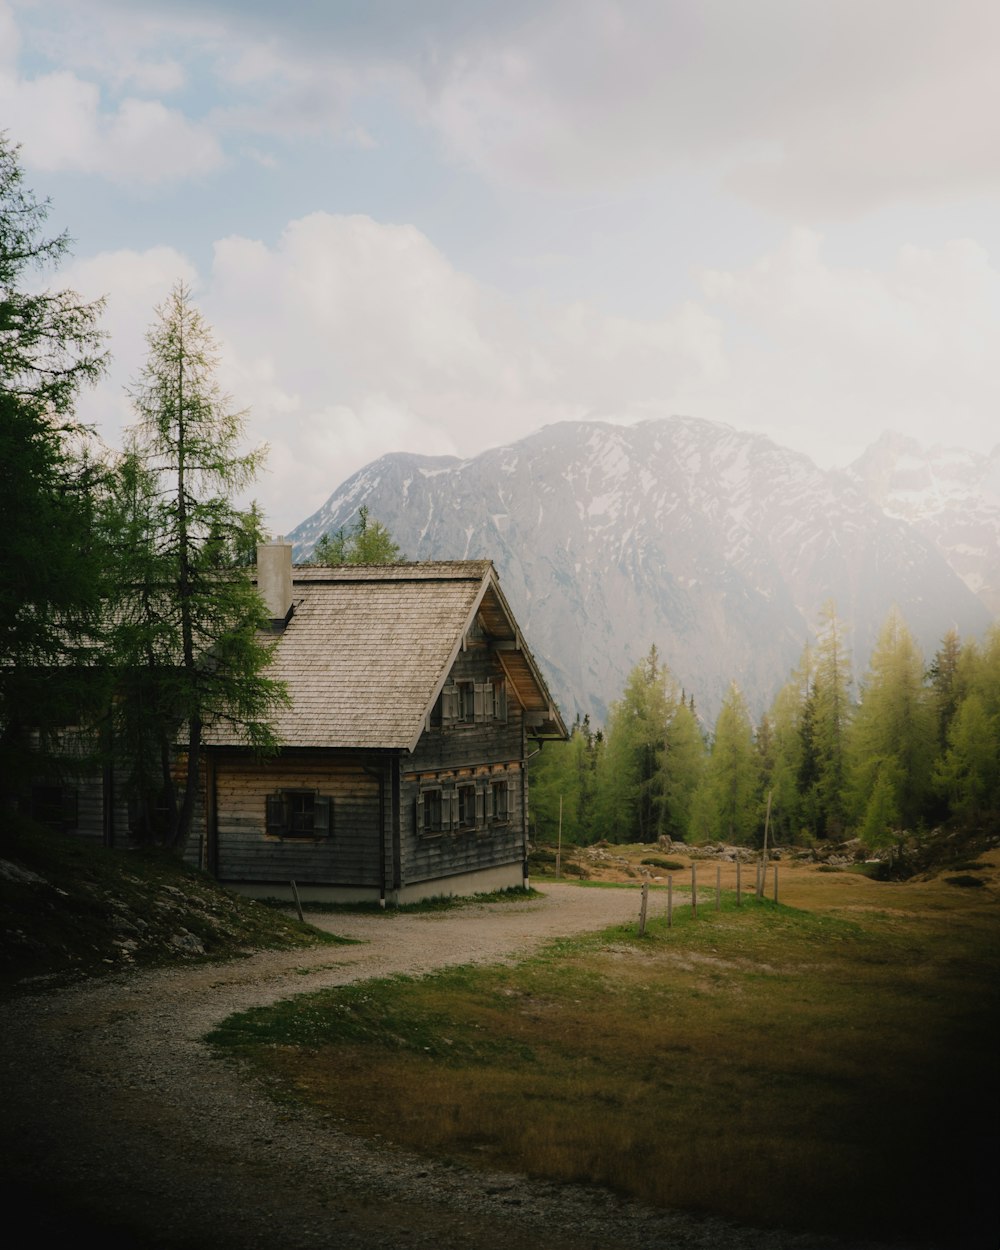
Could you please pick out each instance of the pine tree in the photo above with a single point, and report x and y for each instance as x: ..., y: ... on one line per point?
x: 727, y: 802
x: 187, y: 645
x: 683, y: 765
x: 829, y: 725
x: 893, y: 743
x: 969, y: 770
x: 631, y: 783
x: 365, y: 542
x: 50, y: 570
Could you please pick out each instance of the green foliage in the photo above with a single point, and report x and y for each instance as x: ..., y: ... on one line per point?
x: 186, y: 638
x: 563, y: 776
x: 50, y: 343
x: 893, y: 742
x: 727, y: 802
x: 50, y: 571
x: 365, y: 542
x: 653, y: 758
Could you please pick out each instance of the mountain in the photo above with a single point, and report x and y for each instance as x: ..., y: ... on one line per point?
x: 950, y: 495
x: 717, y: 545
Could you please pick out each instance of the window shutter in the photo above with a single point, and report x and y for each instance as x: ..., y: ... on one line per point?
x: 449, y: 805
x: 418, y: 814
x: 480, y: 807
x: 277, y: 814
x: 478, y: 703
x: 508, y: 814
x: 488, y: 801
x: 489, y: 703
x: 500, y: 701
x: 449, y: 704
x: 322, y: 815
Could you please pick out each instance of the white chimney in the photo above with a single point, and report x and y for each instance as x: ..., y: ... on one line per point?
x: 274, y: 579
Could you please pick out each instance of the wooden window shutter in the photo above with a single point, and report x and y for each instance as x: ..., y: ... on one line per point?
x: 500, y: 701
x: 510, y: 798
x: 418, y: 814
x: 489, y: 702
x: 488, y: 801
x: 478, y: 703
x: 322, y: 815
x: 277, y: 814
x: 480, y: 806
x: 449, y: 809
x: 449, y: 704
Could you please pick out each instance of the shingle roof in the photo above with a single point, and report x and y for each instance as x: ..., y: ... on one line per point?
x: 368, y: 647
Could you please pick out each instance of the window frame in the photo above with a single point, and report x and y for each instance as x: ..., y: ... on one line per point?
x: 286, y: 811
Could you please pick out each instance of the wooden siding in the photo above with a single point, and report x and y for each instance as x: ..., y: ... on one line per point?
x: 465, y: 754
x: 244, y: 851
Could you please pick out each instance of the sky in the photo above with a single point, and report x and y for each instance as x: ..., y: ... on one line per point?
x: 438, y: 225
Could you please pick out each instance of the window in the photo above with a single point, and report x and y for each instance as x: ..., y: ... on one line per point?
x: 472, y: 703
x: 500, y: 801
x: 54, y: 806
x: 430, y: 811
x: 299, y: 814
x: 467, y: 796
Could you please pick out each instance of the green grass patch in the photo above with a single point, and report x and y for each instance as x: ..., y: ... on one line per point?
x: 830, y: 1068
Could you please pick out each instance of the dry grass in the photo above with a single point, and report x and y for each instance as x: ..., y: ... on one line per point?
x: 827, y: 1063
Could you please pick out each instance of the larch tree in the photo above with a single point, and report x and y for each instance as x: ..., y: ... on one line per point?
x: 893, y: 740
x: 683, y: 764
x: 50, y: 572
x: 188, y: 645
x: 365, y: 542
x: 727, y: 802
x: 631, y: 802
x: 829, y: 724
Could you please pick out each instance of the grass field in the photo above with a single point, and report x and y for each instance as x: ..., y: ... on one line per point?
x: 829, y: 1062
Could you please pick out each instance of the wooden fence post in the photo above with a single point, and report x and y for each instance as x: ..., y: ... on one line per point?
x: 642, y: 909
x: 298, y: 905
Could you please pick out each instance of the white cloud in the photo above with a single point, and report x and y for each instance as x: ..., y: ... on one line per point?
x: 814, y: 111
x: 828, y: 356
x: 351, y: 338
x: 59, y: 121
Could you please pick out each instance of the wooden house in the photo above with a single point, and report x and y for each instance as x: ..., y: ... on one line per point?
x: 402, y: 775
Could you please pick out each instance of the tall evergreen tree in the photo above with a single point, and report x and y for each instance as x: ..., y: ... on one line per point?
x: 187, y: 636
x: 564, y: 773
x: 631, y: 800
x: 364, y: 542
x: 683, y: 765
x: 830, y: 714
x: 50, y: 572
x: 789, y: 770
x: 894, y: 739
x: 969, y: 770
x: 727, y: 803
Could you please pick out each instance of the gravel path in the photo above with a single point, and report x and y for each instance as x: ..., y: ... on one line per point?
x: 118, y: 1120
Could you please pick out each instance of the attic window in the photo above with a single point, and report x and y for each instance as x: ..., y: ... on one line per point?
x: 299, y: 814
x: 473, y: 703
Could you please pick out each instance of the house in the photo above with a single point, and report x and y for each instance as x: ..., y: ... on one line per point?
x: 402, y: 773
